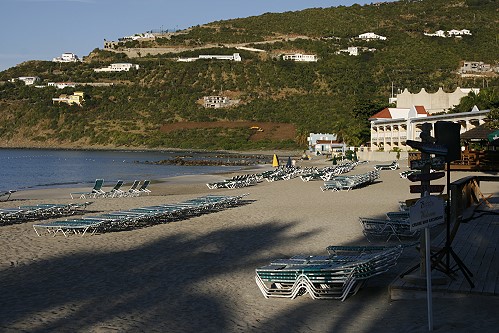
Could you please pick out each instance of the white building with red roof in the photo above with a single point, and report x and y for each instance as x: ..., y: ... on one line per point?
x: 392, y: 127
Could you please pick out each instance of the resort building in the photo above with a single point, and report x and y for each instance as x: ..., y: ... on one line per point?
x: 77, y: 98
x: 324, y: 143
x: 233, y: 57
x: 433, y: 102
x: 67, y: 57
x: 118, y: 67
x: 368, y: 36
x: 392, y: 127
x: 300, y: 57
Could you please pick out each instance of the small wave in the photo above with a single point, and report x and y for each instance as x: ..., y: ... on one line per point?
x: 55, y: 184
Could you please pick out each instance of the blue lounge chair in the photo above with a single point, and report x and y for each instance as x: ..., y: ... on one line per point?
x: 115, y: 191
x: 94, y: 193
x: 132, y: 191
x: 143, y: 188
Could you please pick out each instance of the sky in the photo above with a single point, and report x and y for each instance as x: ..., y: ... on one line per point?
x: 44, y: 29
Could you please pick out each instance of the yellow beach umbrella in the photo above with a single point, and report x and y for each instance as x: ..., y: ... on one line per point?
x: 275, y: 161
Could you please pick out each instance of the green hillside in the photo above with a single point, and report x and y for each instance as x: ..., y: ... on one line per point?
x: 336, y: 94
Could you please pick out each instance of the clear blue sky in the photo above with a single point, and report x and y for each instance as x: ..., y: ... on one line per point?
x: 43, y: 29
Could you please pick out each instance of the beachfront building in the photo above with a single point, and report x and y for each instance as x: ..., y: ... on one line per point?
x: 324, y: 143
x: 300, y: 57
x: 392, y: 127
x: 118, y: 67
x: 67, y: 57
x: 233, y: 57
x: 28, y: 80
x: 368, y: 36
x: 76, y: 98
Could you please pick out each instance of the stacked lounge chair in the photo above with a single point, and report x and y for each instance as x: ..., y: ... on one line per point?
x: 346, y: 183
x: 236, y: 182
x: 329, y: 172
x: 334, y: 276
x: 392, y: 166
x: 23, y: 214
x: 396, y: 225
x: 139, y: 217
x: 282, y: 173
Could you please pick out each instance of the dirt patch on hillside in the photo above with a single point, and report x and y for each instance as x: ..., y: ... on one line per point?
x: 260, y: 131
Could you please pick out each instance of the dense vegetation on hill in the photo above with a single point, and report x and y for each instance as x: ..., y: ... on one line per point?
x: 336, y: 94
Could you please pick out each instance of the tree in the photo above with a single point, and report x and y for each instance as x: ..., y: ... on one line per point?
x: 493, y: 118
x: 485, y: 99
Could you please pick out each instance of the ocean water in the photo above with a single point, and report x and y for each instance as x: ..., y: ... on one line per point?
x: 43, y: 168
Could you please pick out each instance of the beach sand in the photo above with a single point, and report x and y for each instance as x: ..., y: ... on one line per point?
x: 197, y: 275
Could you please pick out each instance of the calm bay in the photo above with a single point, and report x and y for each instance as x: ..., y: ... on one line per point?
x: 45, y: 168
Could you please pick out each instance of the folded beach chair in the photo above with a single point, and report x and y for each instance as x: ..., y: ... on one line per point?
x: 94, y: 193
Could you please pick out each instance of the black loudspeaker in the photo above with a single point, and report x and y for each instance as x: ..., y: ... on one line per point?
x: 448, y: 134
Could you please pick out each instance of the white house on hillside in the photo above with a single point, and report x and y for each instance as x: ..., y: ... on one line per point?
x: 355, y: 50
x: 475, y: 67
x: 28, y: 80
x: 300, y: 57
x: 146, y: 35
x: 449, y: 33
x: 371, y: 36
x: 62, y: 85
x: 67, y: 57
x: 216, y: 102
x: 233, y: 57
x: 117, y: 67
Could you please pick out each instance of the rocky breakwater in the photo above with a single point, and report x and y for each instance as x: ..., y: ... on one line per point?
x: 215, y: 160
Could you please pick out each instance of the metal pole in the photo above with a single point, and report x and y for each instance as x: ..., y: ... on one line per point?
x: 428, y: 280
x: 447, y: 224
